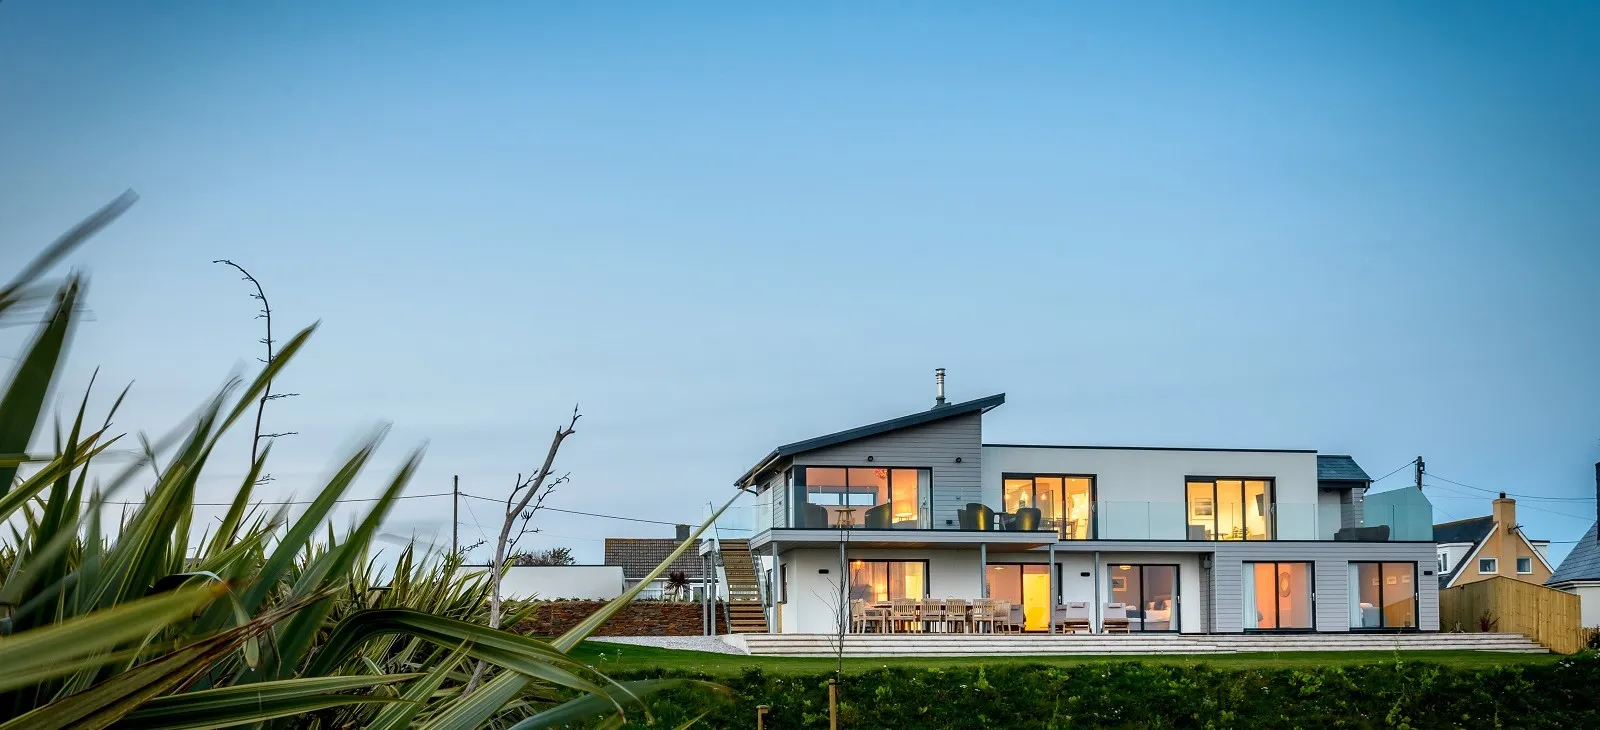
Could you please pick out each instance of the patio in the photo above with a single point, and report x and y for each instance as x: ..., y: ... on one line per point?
x: 978, y: 616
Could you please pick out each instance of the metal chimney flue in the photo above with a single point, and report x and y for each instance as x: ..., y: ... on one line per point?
x: 938, y: 392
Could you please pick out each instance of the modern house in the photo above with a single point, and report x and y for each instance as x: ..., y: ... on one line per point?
x: 1190, y: 540
x: 1579, y: 572
x: 1494, y: 545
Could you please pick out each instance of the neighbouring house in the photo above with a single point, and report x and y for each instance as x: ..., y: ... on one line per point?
x: 1483, y: 547
x: 550, y: 582
x: 1190, y: 540
x: 1579, y: 572
x: 637, y: 556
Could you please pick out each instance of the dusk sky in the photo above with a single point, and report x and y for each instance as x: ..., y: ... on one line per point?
x: 1361, y: 227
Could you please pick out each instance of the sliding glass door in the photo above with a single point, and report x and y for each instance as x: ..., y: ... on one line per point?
x: 1383, y: 596
x: 1024, y: 584
x: 1279, y: 597
x: 1150, y: 593
x: 885, y: 580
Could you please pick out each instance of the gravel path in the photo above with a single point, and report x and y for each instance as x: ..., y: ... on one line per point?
x: 692, y: 643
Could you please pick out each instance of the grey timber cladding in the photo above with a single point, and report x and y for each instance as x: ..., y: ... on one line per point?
x: 1331, y: 565
x: 936, y: 445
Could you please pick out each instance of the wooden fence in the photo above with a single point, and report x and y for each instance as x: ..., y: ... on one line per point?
x: 1545, y: 615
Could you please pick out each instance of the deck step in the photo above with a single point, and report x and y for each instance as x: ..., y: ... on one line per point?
x: 878, y: 645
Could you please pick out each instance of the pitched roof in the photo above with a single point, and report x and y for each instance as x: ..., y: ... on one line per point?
x: 639, y: 555
x: 1339, y: 468
x: 1468, y: 530
x: 1583, y: 563
x: 937, y: 413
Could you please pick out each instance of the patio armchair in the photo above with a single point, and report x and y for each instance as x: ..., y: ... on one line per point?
x: 982, y: 516
x: 1028, y: 519
x: 1114, y: 619
x: 1073, y: 618
x: 1009, y: 617
x: 878, y: 517
x: 816, y: 516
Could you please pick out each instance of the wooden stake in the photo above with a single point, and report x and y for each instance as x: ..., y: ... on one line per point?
x: 833, y: 704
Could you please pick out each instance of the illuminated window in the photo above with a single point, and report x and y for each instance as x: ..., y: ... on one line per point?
x: 1065, y: 503
x: 885, y: 580
x: 1230, y: 509
x: 867, y: 497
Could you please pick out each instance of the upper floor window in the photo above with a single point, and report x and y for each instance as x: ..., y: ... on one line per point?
x: 1225, y: 508
x: 1488, y: 565
x: 1444, y: 562
x: 1524, y: 565
x: 1065, y: 503
x: 879, y: 498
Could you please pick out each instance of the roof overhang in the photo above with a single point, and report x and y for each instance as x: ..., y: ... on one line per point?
x: 932, y: 415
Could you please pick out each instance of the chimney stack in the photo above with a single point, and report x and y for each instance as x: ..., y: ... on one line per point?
x: 938, y: 395
x: 683, y: 532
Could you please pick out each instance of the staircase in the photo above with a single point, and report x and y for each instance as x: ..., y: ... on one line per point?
x: 955, y: 645
x: 746, y: 613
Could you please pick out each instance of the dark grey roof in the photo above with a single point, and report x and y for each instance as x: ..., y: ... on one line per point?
x: 1583, y: 563
x: 1339, y: 468
x: 937, y: 413
x: 1470, y: 530
x: 639, y: 555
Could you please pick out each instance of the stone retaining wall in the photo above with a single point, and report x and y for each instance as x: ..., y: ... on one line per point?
x: 640, y: 618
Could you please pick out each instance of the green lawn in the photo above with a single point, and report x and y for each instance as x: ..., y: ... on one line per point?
x: 617, y: 657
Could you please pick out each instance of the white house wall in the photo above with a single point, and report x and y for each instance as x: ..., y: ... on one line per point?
x: 1127, y: 480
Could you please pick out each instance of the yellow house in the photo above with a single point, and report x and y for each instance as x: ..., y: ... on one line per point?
x: 1484, y: 547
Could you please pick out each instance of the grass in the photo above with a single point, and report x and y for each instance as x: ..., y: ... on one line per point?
x: 611, y: 658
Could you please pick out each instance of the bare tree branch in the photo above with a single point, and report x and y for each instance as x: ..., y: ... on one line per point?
x: 525, y: 499
x: 266, y: 393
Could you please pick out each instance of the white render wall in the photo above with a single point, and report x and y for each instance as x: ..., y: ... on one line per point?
x: 1141, y: 492
x: 1589, y: 608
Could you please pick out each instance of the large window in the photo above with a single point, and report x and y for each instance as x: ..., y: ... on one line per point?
x: 1230, y: 509
x: 1278, y: 596
x: 1065, y: 502
x: 1150, y: 592
x: 879, y: 498
x: 885, y: 580
x: 1383, y: 595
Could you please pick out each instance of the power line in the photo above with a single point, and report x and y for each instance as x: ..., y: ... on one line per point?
x: 481, y: 533
x: 1513, y: 494
x: 286, y: 501
x: 1396, y: 471
x: 585, y: 514
x: 1464, y: 495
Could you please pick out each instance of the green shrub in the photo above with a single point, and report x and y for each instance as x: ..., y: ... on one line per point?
x: 1564, y: 694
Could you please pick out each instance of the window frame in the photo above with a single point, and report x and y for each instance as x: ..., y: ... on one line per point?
x: 1383, y: 619
x: 1272, y: 505
x: 1175, y: 619
x: 927, y: 573
x: 1094, y: 496
x: 1444, y: 562
x: 1520, y: 571
x: 1277, y: 603
x: 800, y: 489
x: 1492, y: 561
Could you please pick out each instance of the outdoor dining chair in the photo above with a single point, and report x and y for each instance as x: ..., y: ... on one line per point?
x: 933, y: 615
x: 984, y: 618
x: 903, y: 615
x: 863, y: 617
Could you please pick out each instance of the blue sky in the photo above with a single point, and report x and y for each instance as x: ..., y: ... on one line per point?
x: 1363, y: 228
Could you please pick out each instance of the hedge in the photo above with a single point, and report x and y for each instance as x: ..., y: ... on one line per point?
x: 1564, y: 694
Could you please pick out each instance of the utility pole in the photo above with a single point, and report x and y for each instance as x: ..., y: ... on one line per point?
x: 455, y: 517
x: 1421, y: 467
